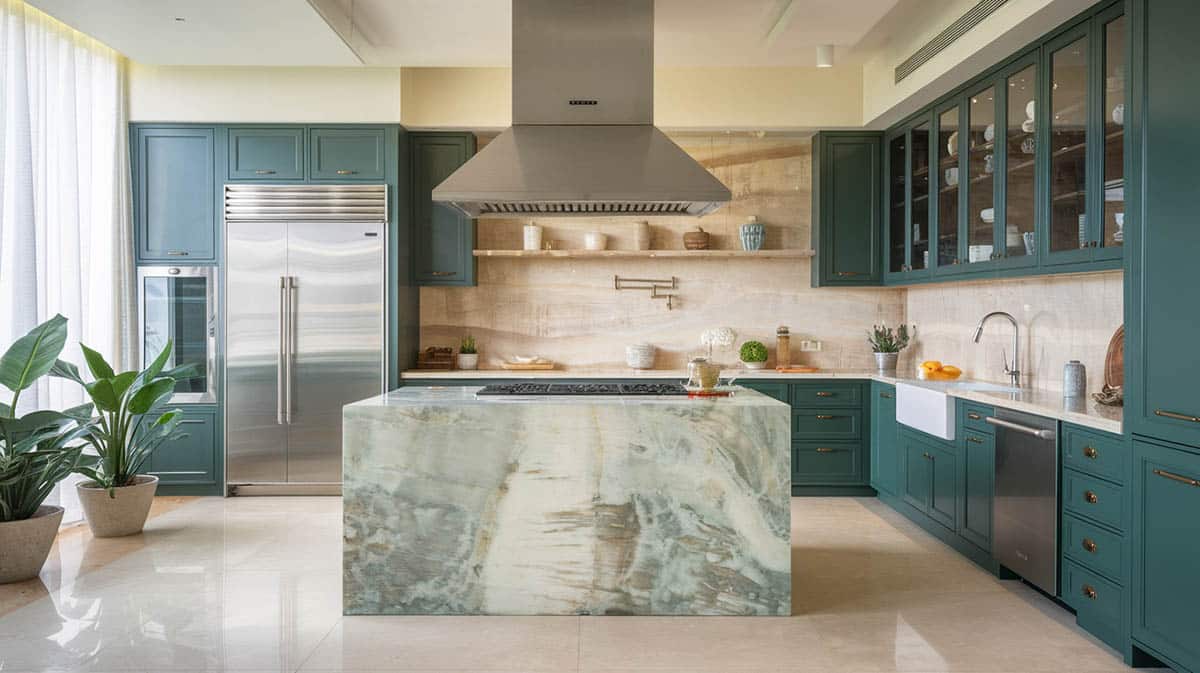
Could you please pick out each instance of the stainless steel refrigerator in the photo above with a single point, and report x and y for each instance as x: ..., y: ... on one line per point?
x: 305, y: 329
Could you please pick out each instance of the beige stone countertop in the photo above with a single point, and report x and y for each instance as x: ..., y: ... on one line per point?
x: 1041, y: 402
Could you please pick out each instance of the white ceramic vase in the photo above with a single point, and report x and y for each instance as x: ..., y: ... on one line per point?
x: 468, y: 361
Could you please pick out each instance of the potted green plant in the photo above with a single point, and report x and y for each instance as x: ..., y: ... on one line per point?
x: 753, y: 355
x: 887, y: 344
x: 37, y: 451
x: 117, y: 499
x: 468, y: 357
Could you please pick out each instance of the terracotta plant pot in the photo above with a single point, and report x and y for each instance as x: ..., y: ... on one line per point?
x: 124, y: 514
x: 26, y: 544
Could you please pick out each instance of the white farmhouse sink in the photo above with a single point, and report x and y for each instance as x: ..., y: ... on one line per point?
x: 928, y: 406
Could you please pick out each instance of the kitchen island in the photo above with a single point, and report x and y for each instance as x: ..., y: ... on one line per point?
x: 607, y: 505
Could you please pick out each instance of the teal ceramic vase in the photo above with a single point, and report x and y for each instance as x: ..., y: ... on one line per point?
x: 752, y: 233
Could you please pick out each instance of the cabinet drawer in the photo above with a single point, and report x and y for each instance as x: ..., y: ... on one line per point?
x: 974, y: 415
x: 1094, y: 498
x: 774, y: 390
x: 1097, y: 602
x: 826, y: 394
x: 1094, y: 547
x: 826, y: 424
x: 1095, y: 453
x: 191, y: 458
x: 346, y: 154
x: 266, y: 153
x: 826, y: 462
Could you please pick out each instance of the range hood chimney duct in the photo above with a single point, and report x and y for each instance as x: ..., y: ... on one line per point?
x: 583, y: 141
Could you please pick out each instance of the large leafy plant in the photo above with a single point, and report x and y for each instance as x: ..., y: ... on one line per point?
x: 41, y: 448
x: 122, y: 437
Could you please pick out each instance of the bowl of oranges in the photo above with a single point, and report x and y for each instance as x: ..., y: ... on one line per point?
x: 932, y: 370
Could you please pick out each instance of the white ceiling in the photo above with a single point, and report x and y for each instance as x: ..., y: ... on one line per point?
x: 420, y: 33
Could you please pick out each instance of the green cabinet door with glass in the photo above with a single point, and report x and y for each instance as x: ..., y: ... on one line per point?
x: 174, y: 194
x: 444, y: 245
x: 846, y: 219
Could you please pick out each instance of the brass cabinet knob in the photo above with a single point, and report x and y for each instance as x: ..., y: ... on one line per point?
x: 443, y: 273
x: 1089, y: 545
x: 1089, y: 591
x: 346, y: 172
x: 974, y: 416
x: 1090, y: 452
x: 824, y: 417
x: 848, y: 273
x: 824, y: 394
x: 974, y: 439
x: 1090, y: 497
x: 825, y: 449
x: 885, y: 396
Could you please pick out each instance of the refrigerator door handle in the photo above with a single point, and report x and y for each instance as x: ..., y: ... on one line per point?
x: 292, y: 347
x: 281, y: 356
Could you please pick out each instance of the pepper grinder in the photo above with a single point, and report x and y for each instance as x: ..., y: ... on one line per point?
x: 783, y: 345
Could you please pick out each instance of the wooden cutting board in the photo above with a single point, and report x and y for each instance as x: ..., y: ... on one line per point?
x: 1114, y: 361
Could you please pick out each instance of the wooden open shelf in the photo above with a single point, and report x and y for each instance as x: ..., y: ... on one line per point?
x: 648, y: 254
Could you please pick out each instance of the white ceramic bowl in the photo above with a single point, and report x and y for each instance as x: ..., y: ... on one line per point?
x: 640, y: 356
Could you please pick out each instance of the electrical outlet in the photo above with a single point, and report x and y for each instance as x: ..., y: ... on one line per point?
x: 810, y: 346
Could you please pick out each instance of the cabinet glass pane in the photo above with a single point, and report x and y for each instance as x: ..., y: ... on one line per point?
x: 1114, y: 134
x: 947, y: 198
x: 981, y: 161
x: 1020, y: 175
x: 897, y: 223
x: 920, y: 197
x: 1068, y: 145
x: 176, y: 310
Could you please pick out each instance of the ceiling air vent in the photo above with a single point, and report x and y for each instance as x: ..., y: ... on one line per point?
x: 966, y: 22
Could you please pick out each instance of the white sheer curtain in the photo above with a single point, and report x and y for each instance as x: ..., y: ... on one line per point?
x: 65, y: 221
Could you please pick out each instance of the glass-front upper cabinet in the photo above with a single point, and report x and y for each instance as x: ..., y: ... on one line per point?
x: 949, y: 172
x: 980, y: 166
x: 1020, y: 168
x: 1110, y: 203
x: 918, y: 242
x: 176, y: 306
x: 897, y: 196
x: 1068, y: 233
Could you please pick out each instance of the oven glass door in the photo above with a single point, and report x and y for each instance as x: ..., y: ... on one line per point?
x: 177, y: 307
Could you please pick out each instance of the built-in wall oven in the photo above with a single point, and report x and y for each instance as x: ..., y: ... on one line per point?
x: 178, y: 305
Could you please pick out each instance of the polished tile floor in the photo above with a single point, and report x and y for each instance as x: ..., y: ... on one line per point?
x: 252, y: 584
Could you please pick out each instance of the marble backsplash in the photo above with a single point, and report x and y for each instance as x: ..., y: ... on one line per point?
x: 568, y: 310
x: 1061, y: 318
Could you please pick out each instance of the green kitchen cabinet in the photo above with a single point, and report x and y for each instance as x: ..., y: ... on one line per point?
x: 885, y: 456
x: 772, y: 389
x: 174, y: 193
x: 1166, y: 544
x: 266, y: 153
x: 943, y: 486
x: 347, y: 153
x: 929, y: 478
x: 444, y: 241
x: 190, y: 464
x: 978, y: 478
x: 846, y: 174
x: 1163, y: 325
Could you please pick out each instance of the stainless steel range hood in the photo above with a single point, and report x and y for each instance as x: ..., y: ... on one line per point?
x: 583, y: 141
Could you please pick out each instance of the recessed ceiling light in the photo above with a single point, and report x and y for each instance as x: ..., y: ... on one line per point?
x: 825, y: 56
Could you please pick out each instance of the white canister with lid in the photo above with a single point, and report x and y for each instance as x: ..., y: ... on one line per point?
x: 533, y: 236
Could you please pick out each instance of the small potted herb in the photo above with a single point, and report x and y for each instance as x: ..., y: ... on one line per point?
x: 887, y: 344
x: 753, y: 355
x: 468, y: 357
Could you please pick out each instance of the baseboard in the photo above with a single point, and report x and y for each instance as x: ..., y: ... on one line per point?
x: 859, y: 491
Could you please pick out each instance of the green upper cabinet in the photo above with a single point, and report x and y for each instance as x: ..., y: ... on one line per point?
x: 907, y: 230
x: 347, y: 153
x: 1163, y: 324
x: 174, y: 192
x: 1166, y: 538
x: 885, y: 442
x: 444, y: 244
x: 1019, y: 173
x: 846, y: 219
x: 266, y: 153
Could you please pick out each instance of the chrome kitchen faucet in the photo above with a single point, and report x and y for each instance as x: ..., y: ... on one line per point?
x: 1014, y: 374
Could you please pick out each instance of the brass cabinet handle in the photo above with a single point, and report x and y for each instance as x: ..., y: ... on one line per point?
x: 824, y: 394
x: 1090, y: 452
x: 825, y: 449
x: 1089, y: 591
x: 974, y: 439
x: 177, y: 253
x: 1089, y: 545
x: 849, y: 273
x: 1178, y: 417
x: 345, y: 171
x: 885, y: 396
x: 974, y: 416
x: 824, y: 417
x: 1090, y: 497
x: 1175, y: 477
x: 264, y: 171
x: 443, y: 273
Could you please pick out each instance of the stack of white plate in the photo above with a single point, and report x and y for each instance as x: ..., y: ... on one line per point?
x: 640, y: 356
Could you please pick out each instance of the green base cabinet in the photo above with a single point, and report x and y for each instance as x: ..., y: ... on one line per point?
x: 978, y: 479
x: 930, y: 478
x: 885, y: 440
x: 190, y: 465
x: 175, y: 211
x: 1166, y: 546
x: 845, y: 220
x: 444, y: 239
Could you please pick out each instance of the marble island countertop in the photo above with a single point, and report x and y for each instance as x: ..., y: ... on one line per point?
x: 464, y: 396
x: 1049, y: 403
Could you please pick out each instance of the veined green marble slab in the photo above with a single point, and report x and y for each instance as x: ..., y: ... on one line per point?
x: 566, y: 505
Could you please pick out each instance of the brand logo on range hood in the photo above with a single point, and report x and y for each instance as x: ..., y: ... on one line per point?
x: 582, y: 158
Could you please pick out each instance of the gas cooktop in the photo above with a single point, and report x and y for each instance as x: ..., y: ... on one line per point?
x: 584, y: 389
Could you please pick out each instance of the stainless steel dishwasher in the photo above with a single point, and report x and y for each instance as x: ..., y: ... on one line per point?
x: 1025, y: 508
